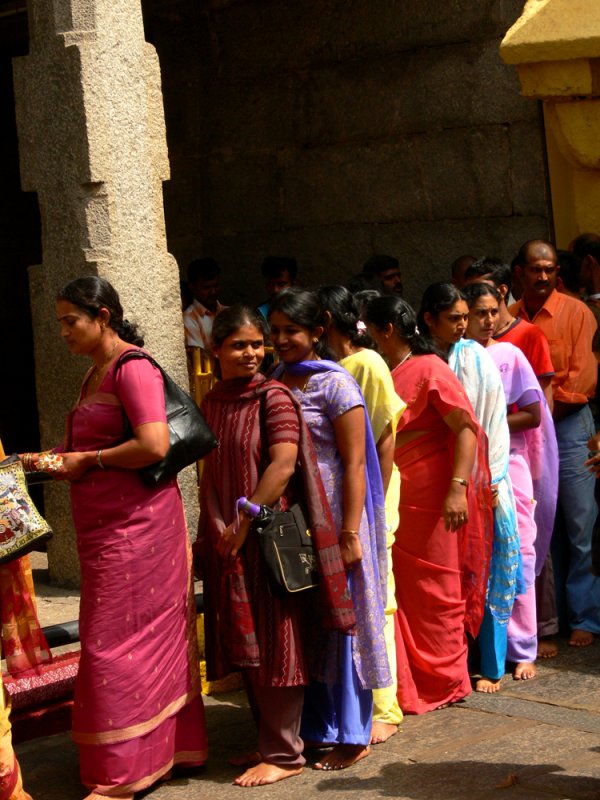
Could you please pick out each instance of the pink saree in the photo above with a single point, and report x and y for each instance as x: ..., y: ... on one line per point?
x: 138, y: 709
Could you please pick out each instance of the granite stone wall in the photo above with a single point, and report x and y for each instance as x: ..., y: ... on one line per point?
x: 97, y: 168
x: 333, y: 129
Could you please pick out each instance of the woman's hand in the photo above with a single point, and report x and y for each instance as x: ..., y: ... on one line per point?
x: 455, y: 508
x: 350, y: 548
x: 593, y: 463
x: 74, y: 467
x: 495, y: 496
x: 232, y: 539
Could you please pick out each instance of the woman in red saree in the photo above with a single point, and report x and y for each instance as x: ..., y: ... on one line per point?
x: 246, y: 627
x: 443, y: 544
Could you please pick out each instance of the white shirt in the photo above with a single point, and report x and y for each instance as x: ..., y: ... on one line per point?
x: 198, y: 321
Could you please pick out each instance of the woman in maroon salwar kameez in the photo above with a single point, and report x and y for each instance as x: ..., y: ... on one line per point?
x: 245, y: 626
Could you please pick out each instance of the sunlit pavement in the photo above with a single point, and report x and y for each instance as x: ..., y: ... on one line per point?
x: 535, y: 740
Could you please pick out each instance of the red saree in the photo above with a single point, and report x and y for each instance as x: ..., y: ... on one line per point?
x: 441, y: 576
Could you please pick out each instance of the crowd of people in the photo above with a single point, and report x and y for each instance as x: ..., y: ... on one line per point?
x: 446, y: 460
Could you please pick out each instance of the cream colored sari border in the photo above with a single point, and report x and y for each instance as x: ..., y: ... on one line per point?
x: 192, y: 757
x: 124, y: 734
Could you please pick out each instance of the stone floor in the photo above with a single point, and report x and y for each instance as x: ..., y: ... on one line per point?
x: 536, y: 740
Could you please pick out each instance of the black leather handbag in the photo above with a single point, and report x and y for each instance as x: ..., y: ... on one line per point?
x: 285, y: 542
x: 287, y: 549
x: 190, y: 438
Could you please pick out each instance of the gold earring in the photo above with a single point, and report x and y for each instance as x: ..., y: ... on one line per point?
x: 315, y: 340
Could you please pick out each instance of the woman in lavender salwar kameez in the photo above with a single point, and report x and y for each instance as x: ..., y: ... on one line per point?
x: 138, y: 709
x: 533, y: 468
x: 338, y: 706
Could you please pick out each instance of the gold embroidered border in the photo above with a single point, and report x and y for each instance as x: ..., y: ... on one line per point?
x: 124, y: 734
x: 185, y: 756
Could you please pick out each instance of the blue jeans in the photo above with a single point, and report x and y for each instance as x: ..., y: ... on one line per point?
x: 576, y: 497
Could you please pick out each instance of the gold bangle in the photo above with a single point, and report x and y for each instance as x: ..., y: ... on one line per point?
x: 99, y: 459
x: 462, y: 481
x: 348, y: 532
x: 27, y: 461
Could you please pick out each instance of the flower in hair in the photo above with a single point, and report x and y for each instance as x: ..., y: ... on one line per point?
x: 361, y: 327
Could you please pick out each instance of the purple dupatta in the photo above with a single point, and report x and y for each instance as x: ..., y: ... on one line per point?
x: 374, y: 497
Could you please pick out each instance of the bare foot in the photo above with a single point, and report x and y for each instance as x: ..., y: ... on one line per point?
x: 382, y: 731
x: 487, y: 685
x: 264, y: 773
x: 248, y: 759
x: 581, y: 638
x: 524, y: 671
x: 309, y: 744
x: 547, y: 648
x: 343, y: 756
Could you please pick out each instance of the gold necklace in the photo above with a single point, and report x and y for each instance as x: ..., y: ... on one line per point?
x: 406, y: 357
x: 99, y: 370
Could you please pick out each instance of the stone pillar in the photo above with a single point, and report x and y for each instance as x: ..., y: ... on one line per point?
x: 92, y: 145
x: 555, y: 46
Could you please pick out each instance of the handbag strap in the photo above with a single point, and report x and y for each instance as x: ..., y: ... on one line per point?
x: 264, y: 438
x: 264, y: 459
x: 129, y: 355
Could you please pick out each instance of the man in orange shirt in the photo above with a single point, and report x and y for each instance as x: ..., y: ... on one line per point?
x: 569, y: 327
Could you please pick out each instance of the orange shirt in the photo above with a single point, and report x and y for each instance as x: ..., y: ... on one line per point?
x: 569, y: 326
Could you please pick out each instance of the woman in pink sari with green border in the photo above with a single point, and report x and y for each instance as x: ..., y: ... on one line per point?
x: 138, y: 709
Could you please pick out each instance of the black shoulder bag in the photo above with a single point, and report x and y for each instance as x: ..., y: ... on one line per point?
x: 190, y: 438
x: 284, y: 538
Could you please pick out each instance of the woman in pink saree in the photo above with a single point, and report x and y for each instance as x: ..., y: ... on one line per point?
x: 138, y: 710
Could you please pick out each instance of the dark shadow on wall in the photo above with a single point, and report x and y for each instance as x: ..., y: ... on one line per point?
x: 20, y: 246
